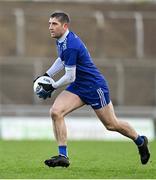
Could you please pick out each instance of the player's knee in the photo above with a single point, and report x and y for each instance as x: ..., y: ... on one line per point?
x: 55, y: 113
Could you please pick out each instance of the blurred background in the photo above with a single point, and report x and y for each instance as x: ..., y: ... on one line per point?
x: 120, y: 35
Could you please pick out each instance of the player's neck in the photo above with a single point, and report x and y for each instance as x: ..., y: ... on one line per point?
x: 62, y: 38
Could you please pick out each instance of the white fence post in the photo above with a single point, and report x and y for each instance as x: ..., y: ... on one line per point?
x: 121, y: 84
x: 139, y: 35
x: 100, y: 21
x: 20, y: 32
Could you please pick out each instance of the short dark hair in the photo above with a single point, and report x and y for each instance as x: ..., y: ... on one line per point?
x: 61, y: 16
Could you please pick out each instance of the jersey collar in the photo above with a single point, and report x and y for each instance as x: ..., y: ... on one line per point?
x: 62, y: 38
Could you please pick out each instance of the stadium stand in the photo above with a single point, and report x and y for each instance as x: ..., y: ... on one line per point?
x: 131, y: 72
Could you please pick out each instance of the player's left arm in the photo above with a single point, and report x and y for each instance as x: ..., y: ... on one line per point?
x: 67, y: 78
x: 47, y: 89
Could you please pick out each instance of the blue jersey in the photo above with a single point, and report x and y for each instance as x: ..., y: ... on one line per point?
x: 90, y: 85
x: 73, y: 52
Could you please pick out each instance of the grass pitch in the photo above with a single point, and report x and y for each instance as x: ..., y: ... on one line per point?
x: 89, y: 159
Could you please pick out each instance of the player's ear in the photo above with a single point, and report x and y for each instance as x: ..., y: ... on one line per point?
x: 65, y: 26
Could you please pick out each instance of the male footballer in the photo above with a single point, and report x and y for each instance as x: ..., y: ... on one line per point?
x: 86, y: 85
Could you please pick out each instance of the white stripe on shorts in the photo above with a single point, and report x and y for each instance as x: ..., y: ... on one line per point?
x: 102, y: 97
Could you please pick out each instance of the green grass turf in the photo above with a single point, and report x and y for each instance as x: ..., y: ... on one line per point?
x: 89, y: 159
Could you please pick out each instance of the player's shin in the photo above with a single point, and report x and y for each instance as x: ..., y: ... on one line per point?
x: 60, y: 132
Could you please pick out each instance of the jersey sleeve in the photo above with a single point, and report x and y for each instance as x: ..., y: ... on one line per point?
x: 70, y: 57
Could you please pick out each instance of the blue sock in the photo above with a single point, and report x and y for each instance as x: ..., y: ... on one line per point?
x: 139, y: 141
x: 63, y: 150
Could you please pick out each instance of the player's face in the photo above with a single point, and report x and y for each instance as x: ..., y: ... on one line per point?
x: 57, y: 29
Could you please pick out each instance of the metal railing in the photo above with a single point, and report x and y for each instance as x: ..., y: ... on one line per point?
x: 37, y: 66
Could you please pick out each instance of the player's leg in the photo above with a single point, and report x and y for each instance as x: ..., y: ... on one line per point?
x: 110, y: 121
x: 64, y: 104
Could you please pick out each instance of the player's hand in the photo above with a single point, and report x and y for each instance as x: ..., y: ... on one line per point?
x: 46, y: 91
x: 44, y: 94
x: 47, y: 87
x: 43, y: 86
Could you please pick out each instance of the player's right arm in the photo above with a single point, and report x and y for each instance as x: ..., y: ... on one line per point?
x: 56, y: 67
